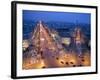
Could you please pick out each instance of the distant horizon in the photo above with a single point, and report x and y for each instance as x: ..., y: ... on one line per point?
x: 56, y: 22
x: 49, y: 16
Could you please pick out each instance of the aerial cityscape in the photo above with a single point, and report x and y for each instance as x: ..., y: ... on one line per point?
x: 50, y: 41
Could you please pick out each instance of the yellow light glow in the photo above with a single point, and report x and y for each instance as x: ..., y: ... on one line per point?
x: 66, y: 41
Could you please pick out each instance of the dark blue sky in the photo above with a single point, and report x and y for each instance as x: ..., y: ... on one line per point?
x: 56, y: 16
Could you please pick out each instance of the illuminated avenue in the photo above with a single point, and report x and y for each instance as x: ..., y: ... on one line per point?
x: 45, y: 50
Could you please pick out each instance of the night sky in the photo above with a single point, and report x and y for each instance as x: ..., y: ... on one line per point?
x: 46, y: 16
